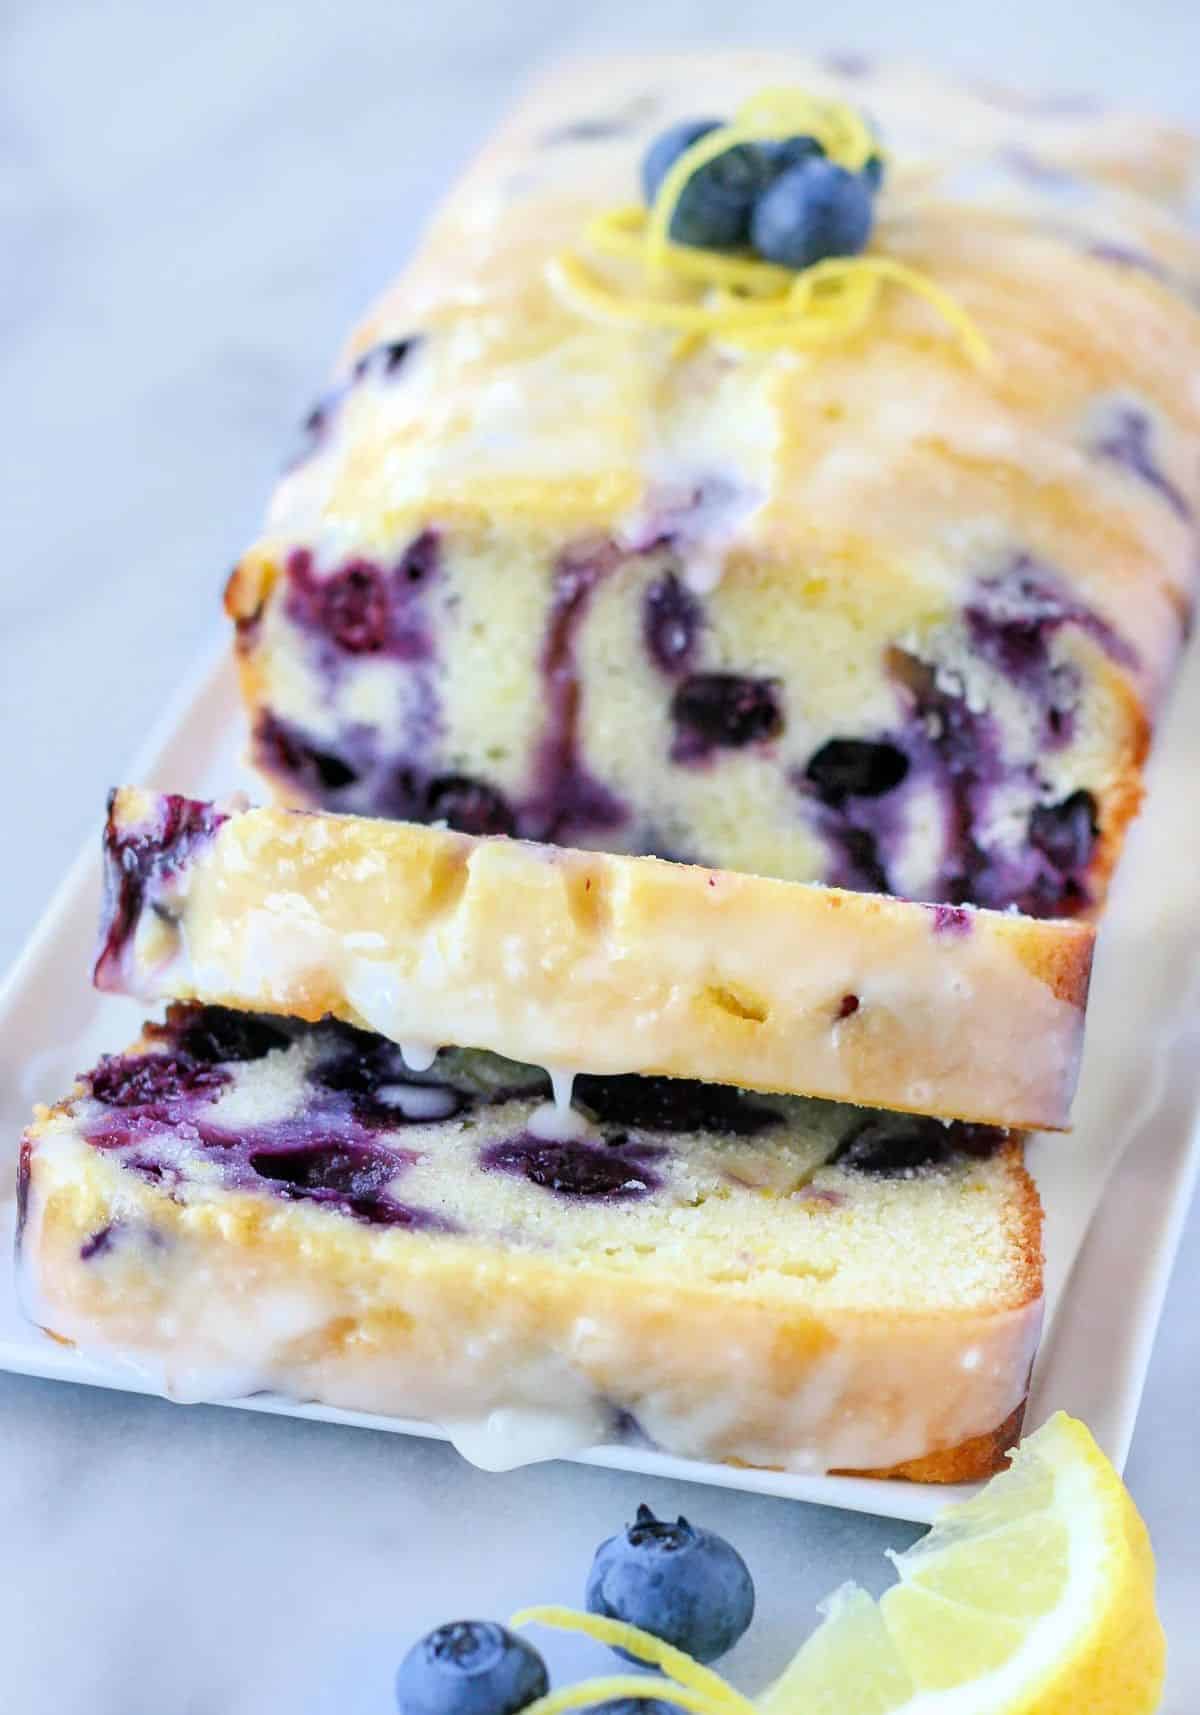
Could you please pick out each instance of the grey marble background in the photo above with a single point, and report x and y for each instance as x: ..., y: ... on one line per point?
x: 195, y: 199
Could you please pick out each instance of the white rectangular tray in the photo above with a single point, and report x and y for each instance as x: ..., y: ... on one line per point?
x: 1136, y: 1133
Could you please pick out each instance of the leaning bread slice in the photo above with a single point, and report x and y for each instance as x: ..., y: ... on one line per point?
x: 586, y: 962
x: 243, y: 1203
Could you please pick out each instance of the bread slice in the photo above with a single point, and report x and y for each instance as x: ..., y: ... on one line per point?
x: 592, y: 963
x: 242, y: 1203
x: 866, y: 616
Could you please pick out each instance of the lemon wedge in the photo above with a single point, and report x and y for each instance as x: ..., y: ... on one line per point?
x: 1036, y: 1597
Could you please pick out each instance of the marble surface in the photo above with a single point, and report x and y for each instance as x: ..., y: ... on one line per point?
x: 194, y: 201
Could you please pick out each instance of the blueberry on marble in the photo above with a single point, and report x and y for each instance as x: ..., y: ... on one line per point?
x: 1066, y: 832
x: 666, y: 149
x: 856, y: 768
x: 811, y: 212
x: 470, y: 1667
x: 724, y: 711
x: 685, y: 1585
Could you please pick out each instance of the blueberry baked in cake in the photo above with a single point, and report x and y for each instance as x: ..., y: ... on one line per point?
x: 633, y: 529
x: 243, y: 1202
x: 587, y: 962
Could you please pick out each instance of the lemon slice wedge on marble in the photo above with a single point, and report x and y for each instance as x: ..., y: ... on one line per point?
x: 1035, y: 1597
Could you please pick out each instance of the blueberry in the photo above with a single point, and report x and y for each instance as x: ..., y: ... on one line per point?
x: 872, y: 173
x: 726, y: 710
x: 812, y: 211
x: 856, y: 768
x: 215, y: 1035
x: 153, y: 1080
x: 671, y: 1104
x: 470, y: 1667
x: 787, y: 152
x: 686, y: 1586
x: 666, y: 149
x: 469, y: 806
x: 635, y: 1706
x: 714, y: 208
x: 895, y: 1146
x: 671, y: 617
x: 1066, y: 832
x: 616, y: 1169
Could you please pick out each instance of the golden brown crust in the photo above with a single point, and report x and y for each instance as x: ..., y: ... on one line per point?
x: 972, y: 1460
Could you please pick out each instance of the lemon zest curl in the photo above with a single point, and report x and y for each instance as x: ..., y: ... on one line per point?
x: 689, y: 1685
x: 749, y: 302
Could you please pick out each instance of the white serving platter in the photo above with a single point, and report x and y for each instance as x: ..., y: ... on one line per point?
x: 1116, y: 1189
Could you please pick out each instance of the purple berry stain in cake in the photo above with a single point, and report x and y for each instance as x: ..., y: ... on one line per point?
x: 953, y: 921
x: 156, y: 1082
x: 468, y: 806
x: 1012, y: 617
x: 156, y: 1110
x: 1127, y: 441
x: 1126, y: 256
x: 860, y: 789
x: 363, y: 608
x: 671, y: 621
x: 138, y: 861
x: 99, y: 1242
x: 567, y: 801
x: 321, y: 769
x: 723, y: 711
x: 24, y: 1176
x: 617, y: 1169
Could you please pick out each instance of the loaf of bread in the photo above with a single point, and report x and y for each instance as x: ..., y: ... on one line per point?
x: 587, y: 962
x: 866, y: 614
x: 242, y: 1203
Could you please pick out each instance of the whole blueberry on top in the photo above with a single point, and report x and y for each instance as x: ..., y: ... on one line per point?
x: 872, y: 171
x: 470, y: 1667
x: 785, y: 152
x: 714, y: 207
x: 686, y: 1586
x: 666, y: 149
x: 635, y: 1706
x: 812, y: 211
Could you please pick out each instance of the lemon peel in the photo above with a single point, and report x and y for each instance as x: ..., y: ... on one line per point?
x: 707, y: 1691
x: 751, y: 303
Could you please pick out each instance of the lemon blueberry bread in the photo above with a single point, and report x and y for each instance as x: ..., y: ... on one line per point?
x: 242, y: 1202
x: 865, y: 612
x: 584, y: 961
